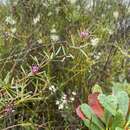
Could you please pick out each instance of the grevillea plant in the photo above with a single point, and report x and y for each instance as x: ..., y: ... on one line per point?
x: 106, y: 112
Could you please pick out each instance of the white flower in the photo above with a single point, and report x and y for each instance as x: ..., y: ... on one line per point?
x: 64, y: 101
x: 10, y: 20
x: 99, y: 53
x: 39, y: 41
x: 94, y: 41
x: 53, y: 30
x: 109, y: 6
x: 64, y: 96
x: 57, y: 10
x: 52, y: 88
x: 61, y: 106
x: 116, y: 14
x: 36, y: 20
x: 103, y: 15
x: 14, y: 87
x: 54, y: 37
x: 57, y: 102
x: 50, y: 13
x: 97, y: 56
x: 13, y: 30
x: 73, y: 93
x: 72, y: 99
x: 110, y: 31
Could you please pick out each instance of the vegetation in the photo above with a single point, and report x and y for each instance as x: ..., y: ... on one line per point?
x: 106, y: 112
x: 52, y: 53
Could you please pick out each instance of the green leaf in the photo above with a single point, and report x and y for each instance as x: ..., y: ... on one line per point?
x: 118, y: 120
x: 91, y: 125
x: 117, y: 87
x: 7, y: 78
x: 118, y: 128
x: 91, y: 116
x: 109, y: 103
x: 96, y: 88
x: 108, y: 117
x: 123, y: 101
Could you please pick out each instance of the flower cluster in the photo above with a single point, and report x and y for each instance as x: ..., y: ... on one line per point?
x: 94, y: 42
x: 116, y: 14
x: 36, y: 19
x: 54, y: 35
x: 10, y: 20
x: 84, y: 34
x: 39, y: 41
x: 13, y: 30
x: 97, y: 56
x: 52, y: 88
x: 35, y: 69
x: 64, y: 101
x: 8, y: 109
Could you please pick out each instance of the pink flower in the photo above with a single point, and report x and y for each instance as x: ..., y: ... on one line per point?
x: 35, y: 69
x: 84, y: 34
x: 8, y: 109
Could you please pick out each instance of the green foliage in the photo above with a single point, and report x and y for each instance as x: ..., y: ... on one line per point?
x: 115, y: 112
x: 108, y: 102
x: 91, y: 118
x: 123, y: 101
x: 118, y: 121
